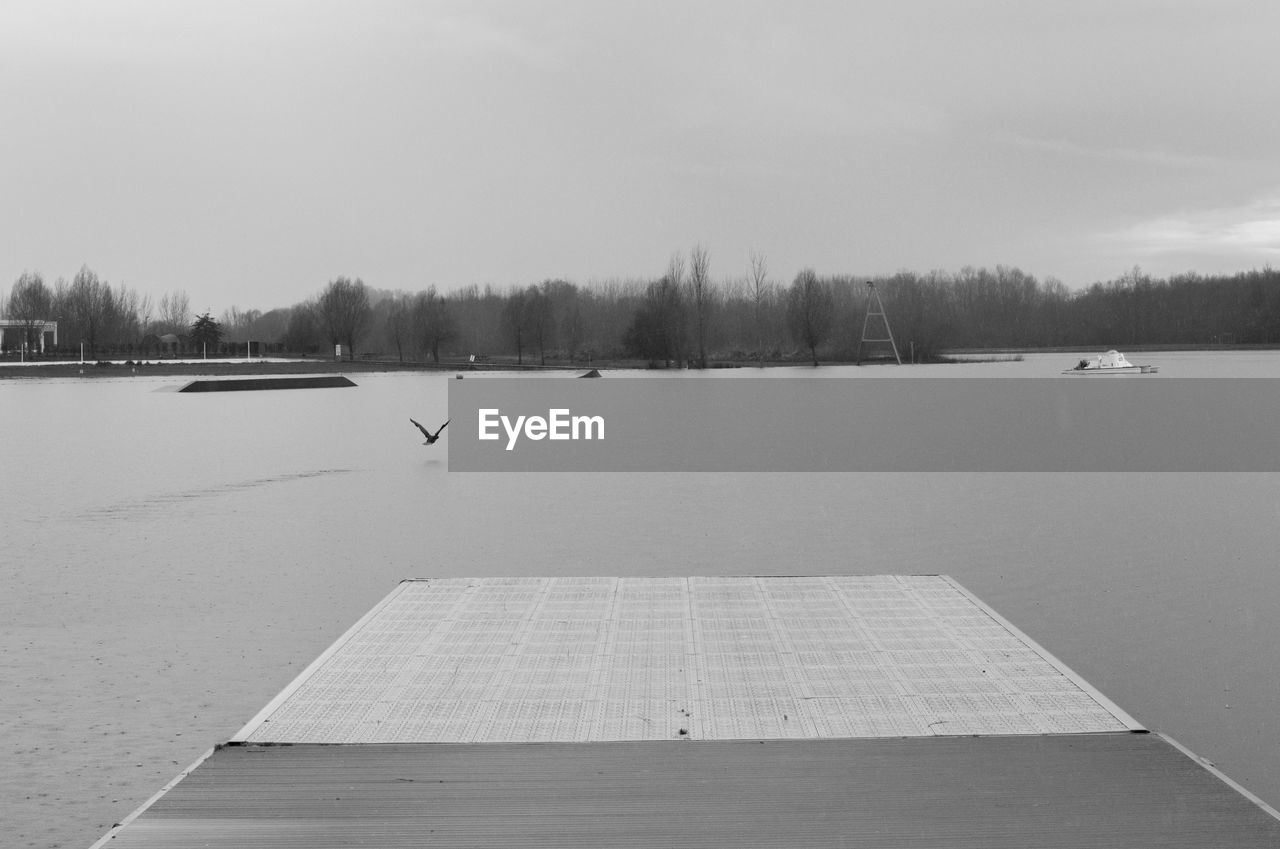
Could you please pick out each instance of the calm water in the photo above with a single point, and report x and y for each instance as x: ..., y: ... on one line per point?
x: 169, y: 562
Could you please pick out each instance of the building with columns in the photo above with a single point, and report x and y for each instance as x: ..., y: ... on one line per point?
x: 13, y: 333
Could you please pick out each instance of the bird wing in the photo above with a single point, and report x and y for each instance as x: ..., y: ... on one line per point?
x: 442, y: 427
x: 425, y: 432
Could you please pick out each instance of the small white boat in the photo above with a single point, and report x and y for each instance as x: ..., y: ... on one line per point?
x: 1112, y: 362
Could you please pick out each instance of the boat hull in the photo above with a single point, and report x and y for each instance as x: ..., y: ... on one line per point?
x: 1112, y: 362
x: 1117, y: 370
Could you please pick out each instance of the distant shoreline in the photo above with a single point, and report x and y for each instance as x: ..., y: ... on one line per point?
x: 268, y: 366
x: 224, y: 367
x: 218, y: 368
x: 221, y: 368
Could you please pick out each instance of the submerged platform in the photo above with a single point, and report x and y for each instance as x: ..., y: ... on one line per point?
x: 246, y: 384
x: 817, y: 711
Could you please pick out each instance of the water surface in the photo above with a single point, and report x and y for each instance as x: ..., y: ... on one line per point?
x: 171, y: 561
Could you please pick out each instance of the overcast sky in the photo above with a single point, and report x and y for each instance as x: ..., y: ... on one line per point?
x: 249, y: 152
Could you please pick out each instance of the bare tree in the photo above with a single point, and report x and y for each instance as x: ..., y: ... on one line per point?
x: 239, y: 326
x: 564, y: 301
x: 128, y: 316
x: 675, y: 270
x: 515, y: 321
x: 31, y: 303
x: 144, y: 310
x: 398, y: 323
x: 810, y: 304
x: 432, y: 322
x: 88, y: 305
x: 571, y: 326
x: 657, y: 328
x: 759, y: 292
x: 670, y: 296
x: 303, y: 333
x: 233, y: 322
x: 175, y: 313
x: 701, y: 298
x: 541, y: 323
x: 344, y: 310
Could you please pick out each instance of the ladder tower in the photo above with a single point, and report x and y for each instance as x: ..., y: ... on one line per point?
x: 876, y: 308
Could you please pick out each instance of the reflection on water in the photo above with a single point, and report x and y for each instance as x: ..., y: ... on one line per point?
x: 171, y: 561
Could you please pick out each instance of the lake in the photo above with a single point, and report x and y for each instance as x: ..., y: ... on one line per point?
x: 169, y: 562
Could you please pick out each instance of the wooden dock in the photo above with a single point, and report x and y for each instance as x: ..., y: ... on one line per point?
x: 816, y: 711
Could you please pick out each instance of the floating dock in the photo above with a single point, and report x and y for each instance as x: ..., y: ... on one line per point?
x: 815, y: 711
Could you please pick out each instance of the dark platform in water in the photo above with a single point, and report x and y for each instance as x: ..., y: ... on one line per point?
x: 247, y: 383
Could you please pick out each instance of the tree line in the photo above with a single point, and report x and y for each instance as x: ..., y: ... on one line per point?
x: 684, y: 317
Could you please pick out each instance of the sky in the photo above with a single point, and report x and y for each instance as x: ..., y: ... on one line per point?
x: 247, y: 153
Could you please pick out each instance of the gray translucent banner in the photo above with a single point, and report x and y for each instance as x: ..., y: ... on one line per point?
x: 711, y: 424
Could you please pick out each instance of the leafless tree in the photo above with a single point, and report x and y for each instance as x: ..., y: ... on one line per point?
x: 144, y: 310
x: 344, y: 310
x: 398, y: 323
x: 432, y: 322
x: 88, y: 304
x: 303, y: 332
x: 515, y: 321
x: 175, y: 313
x: 541, y: 320
x: 701, y: 297
x: 657, y: 331
x: 234, y: 322
x: 130, y: 309
x: 675, y: 270
x: 670, y: 294
x: 241, y: 326
x: 567, y: 330
x: 810, y: 305
x: 759, y: 293
x: 31, y: 303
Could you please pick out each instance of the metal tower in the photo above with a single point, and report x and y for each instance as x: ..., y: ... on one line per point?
x: 872, y: 294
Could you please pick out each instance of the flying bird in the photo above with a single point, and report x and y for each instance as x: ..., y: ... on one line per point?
x: 431, y: 437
